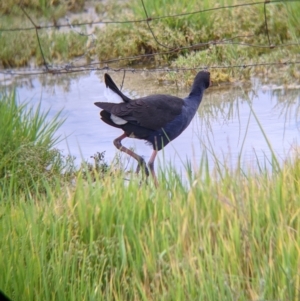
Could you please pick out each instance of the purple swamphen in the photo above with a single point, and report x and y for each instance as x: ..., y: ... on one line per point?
x: 157, y: 118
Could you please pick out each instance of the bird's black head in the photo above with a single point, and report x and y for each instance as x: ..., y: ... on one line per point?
x: 202, y: 79
x: 201, y: 82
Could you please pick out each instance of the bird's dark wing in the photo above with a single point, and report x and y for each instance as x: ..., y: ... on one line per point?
x: 111, y: 85
x: 152, y: 112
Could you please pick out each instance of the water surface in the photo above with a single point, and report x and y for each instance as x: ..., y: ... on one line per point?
x: 233, y: 122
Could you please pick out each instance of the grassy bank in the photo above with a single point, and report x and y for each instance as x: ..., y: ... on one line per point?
x: 227, y: 235
x: 241, y: 29
x: 20, y: 48
x: 228, y: 239
x: 28, y: 157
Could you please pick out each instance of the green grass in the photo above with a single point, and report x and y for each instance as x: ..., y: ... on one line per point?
x: 20, y: 48
x: 49, y: 9
x: 227, y: 239
x: 224, y: 235
x: 27, y: 153
x: 242, y: 26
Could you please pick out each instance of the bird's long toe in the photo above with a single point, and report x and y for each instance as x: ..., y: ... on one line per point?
x: 142, y: 164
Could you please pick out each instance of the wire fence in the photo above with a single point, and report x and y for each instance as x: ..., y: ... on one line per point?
x: 72, y: 66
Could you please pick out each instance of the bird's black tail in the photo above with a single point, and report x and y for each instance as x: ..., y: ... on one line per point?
x: 111, y: 85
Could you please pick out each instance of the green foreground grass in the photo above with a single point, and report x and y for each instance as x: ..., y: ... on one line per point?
x: 227, y: 235
x: 231, y: 239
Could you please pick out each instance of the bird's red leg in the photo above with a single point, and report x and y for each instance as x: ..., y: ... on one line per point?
x: 141, y: 161
x: 151, y: 167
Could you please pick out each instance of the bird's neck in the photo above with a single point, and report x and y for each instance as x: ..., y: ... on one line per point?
x: 195, y: 95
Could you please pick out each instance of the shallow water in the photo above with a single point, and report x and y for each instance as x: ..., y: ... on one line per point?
x: 233, y: 122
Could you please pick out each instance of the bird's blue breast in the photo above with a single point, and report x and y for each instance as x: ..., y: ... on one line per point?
x: 173, y: 129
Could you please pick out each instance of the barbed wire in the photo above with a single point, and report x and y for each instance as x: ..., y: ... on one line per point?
x: 103, y: 65
x: 136, y: 70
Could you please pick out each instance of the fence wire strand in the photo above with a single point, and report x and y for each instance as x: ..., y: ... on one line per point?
x: 103, y: 65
